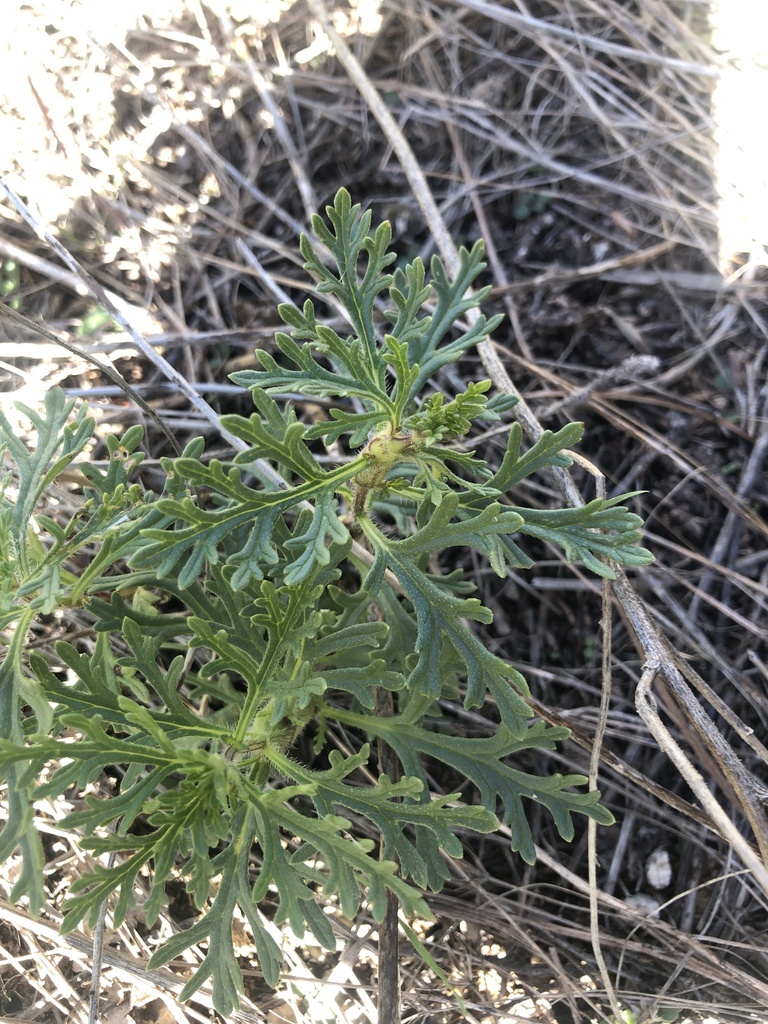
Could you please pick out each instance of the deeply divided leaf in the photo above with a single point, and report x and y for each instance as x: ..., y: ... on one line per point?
x: 307, y: 590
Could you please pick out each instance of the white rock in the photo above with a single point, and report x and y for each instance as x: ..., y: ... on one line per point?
x: 658, y: 869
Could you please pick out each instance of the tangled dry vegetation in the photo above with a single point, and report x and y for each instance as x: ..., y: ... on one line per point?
x: 178, y: 155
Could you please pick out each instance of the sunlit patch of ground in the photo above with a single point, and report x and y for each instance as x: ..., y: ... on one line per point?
x: 740, y: 35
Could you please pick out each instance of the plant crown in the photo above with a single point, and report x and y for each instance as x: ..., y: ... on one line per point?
x: 257, y: 608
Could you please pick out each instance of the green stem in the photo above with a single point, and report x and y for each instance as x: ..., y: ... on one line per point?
x: 11, y: 678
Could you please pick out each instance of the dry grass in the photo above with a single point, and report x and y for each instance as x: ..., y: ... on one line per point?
x: 178, y: 156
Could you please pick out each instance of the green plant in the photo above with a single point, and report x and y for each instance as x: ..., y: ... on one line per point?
x: 276, y: 606
x: 10, y: 281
